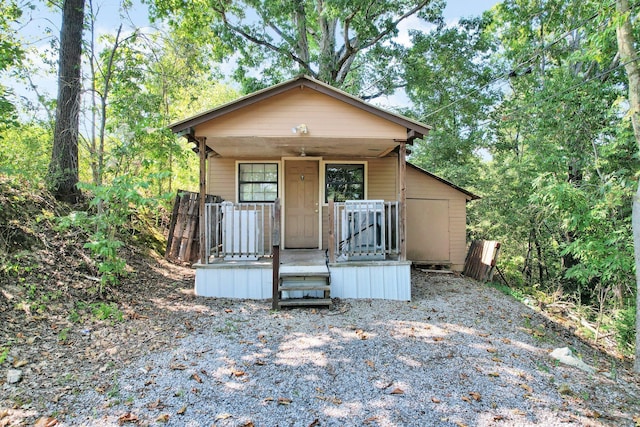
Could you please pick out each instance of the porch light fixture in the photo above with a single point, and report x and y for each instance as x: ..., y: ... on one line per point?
x: 301, y: 128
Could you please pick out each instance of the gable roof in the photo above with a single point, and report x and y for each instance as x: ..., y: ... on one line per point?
x: 469, y: 194
x: 414, y: 128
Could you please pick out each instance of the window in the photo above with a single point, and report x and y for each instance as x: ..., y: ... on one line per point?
x: 344, y: 182
x: 257, y: 182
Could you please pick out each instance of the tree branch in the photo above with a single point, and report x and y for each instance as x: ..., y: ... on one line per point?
x: 264, y: 43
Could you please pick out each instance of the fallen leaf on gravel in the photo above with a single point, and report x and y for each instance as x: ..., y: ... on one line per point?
x: 178, y: 366
x: 506, y: 341
x: 268, y: 399
x: 163, y: 418
x: 498, y: 418
x: 237, y: 373
x: 223, y: 416
x: 492, y: 350
x: 19, y: 363
x: 466, y: 399
x: 370, y: 364
x: 397, y: 391
x: 496, y: 359
x: 127, y: 418
x: 360, y: 333
x: 595, y: 414
x: 476, y: 396
x: 438, y: 339
x: 315, y: 423
x: 461, y: 424
x: 564, y: 389
x: 156, y: 405
x: 247, y: 424
x: 493, y: 374
x: 228, y: 310
x: 483, y: 335
x: 435, y: 400
x: 518, y: 412
x: 46, y: 422
x: 370, y: 420
x: 182, y: 410
x: 196, y: 377
x: 260, y: 362
x: 333, y: 400
x: 284, y: 401
x: 526, y: 388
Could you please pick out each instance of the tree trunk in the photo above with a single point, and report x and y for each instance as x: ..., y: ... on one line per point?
x: 63, y: 169
x: 629, y: 57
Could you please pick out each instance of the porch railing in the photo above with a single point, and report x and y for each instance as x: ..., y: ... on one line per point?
x: 238, y: 231
x: 365, y: 230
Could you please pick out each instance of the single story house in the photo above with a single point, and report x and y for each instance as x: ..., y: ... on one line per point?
x: 319, y: 200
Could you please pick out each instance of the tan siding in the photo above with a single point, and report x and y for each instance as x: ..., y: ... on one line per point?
x: 423, y: 187
x: 382, y: 179
x: 458, y: 227
x: 324, y: 116
x: 221, y: 178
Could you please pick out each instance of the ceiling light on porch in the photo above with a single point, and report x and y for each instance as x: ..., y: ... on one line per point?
x: 301, y: 128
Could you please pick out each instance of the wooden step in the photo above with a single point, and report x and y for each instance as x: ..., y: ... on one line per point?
x: 304, y: 302
x: 304, y: 274
x: 284, y: 288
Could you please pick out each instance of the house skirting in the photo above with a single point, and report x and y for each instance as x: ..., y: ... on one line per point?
x: 390, y: 280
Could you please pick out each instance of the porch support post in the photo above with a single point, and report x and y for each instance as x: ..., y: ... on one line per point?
x: 275, y: 297
x: 332, y: 232
x: 402, y: 175
x: 202, y: 151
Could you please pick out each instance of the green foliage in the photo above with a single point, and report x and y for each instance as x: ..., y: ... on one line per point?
x: 349, y: 44
x: 625, y: 326
x: 4, y: 353
x: 113, y: 207
x: 103, y: 311
x: 25, y: 151
x: 109, y: 221
x: 11, y: 54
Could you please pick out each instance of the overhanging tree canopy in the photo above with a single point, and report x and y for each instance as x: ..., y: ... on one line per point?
x: 345, y: 43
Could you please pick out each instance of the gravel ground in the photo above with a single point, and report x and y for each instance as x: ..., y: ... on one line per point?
x: 459, y: 354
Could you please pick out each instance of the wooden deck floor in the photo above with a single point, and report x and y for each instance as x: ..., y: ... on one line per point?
x: 303, y: 257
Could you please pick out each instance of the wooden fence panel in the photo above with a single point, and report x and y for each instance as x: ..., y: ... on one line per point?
x: 481, y: 260
x: 183, y: 243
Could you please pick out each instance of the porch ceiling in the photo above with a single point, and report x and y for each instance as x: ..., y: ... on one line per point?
x: 294, y: 146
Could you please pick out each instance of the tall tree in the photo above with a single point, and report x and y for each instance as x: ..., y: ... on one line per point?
x: 629, y: 57
x: 63, y: 169
x: 346, y: 43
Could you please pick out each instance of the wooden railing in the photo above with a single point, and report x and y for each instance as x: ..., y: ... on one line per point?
x: 238, y: 231
x: 363, y: 230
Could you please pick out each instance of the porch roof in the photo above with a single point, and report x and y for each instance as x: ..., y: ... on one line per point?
x: 301, y: 116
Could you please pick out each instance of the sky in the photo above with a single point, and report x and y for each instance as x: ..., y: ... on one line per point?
x: 45, y: 23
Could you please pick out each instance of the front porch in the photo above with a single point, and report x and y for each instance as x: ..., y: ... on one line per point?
x: 377, y: 279
x: 362, y: 259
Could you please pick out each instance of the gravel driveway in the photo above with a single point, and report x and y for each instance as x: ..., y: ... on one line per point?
x: 459, y: 354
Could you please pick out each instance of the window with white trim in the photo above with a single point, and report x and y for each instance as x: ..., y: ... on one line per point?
x: 344, y: 181
x: 257, y: 182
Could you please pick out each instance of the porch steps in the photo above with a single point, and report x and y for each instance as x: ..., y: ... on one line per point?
x: 301, y: 285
